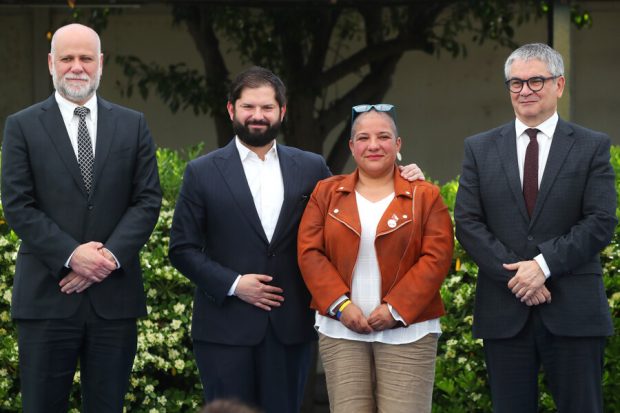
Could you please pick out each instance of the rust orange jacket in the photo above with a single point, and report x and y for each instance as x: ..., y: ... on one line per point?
x: 414, y: 244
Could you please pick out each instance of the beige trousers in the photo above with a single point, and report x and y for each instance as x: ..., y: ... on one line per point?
x: 376, y: 377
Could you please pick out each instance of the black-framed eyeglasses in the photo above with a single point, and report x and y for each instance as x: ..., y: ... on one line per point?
x: 379, y: 107
x: 536, y: 83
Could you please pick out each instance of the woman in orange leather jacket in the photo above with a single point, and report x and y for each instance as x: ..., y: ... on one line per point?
x: 373, y: 250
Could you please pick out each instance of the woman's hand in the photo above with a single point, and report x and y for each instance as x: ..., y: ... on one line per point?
x: 381, y: 319
x: 353, y: 319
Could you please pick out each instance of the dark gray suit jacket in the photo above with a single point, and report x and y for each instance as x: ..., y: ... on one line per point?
x: 46, y: 204
x: 573, y: 220
x: 216, y: 235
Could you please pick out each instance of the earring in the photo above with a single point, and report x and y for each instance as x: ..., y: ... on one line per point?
x: 399, y: 157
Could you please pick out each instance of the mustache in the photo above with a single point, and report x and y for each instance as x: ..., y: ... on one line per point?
x: 257, y: 122
x: 76, y: 77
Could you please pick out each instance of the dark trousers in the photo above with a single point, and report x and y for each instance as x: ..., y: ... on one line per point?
x: 270, y: 375
x: 572, y: 366
x: 49, y: 351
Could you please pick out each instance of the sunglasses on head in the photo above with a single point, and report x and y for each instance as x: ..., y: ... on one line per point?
x: 379, y: 107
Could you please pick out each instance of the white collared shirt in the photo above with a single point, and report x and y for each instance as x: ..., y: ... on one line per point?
x: 544, y: 138
x: 265, y: 181
x: 67, y: 110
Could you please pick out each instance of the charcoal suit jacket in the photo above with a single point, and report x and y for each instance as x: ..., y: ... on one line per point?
x: 573, y: 220
x: 46, y: 204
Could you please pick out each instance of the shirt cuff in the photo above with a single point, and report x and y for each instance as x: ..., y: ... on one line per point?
x: 233, y: 287
x: 118, y: 264
x: 334, y: 307
x: 395, y: 314
x: 543, y: 265
x: 68, y: 262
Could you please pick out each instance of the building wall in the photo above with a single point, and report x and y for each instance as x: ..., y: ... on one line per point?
x: 440, y: 99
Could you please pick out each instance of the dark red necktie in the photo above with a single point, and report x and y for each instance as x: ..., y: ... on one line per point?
x: 530, y: 171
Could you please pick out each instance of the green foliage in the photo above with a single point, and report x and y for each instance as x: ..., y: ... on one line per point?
x: 165, y: 377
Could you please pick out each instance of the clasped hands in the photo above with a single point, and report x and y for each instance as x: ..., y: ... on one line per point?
x: 528, y: 284
x: 380, y: 319
x: 90, y: 263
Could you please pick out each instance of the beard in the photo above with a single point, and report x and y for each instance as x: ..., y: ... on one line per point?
x: 256, y: 139
x: 75, y: 93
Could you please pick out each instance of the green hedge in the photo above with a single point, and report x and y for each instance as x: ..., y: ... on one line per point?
x: 165, y: 378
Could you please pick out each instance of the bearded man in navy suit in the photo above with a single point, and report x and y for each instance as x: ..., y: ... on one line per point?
x: 80, y: 188
x: 535, y: 206
x: 234, y: 234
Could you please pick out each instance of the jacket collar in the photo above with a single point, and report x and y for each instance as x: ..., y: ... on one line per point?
x: 402, y: 187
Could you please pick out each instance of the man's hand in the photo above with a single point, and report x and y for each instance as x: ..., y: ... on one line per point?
x: 542, y: 295
x: 353, y: 319
x: 527, y: 280
x: 381, y: 319
x: 108, y: 255
x: 74, y: 283
x: 253, y: 289
x: 411, y: 172
x: 88, y: 261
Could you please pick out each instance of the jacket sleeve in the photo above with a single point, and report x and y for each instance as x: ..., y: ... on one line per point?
x: 596, y: 228
x: 137, y: 223
x: 481, y: 244
x: 51, y: 245
x: 187, y: 240
x: 321, y: 277
x: 420, y: 284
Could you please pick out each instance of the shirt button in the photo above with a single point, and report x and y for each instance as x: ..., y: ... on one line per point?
x: 530, y: 238
x: 90, y: 207
x: 404, y: 216
x: 336, y: 211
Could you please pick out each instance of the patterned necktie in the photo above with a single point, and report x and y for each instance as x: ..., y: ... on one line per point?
x: 530, y: 171
x: 86, y: 158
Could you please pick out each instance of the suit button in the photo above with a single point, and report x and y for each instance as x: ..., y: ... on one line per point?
x: 271, y: 254
x: 90, y: 207
x: 530, y: 238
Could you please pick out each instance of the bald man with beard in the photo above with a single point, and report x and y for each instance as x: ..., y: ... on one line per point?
x: 80, y: 188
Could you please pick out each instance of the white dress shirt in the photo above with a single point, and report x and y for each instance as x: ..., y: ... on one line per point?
x: 366, y: 286
x: 264, y: 178
x: 544, y: 138
x: 67, y: 110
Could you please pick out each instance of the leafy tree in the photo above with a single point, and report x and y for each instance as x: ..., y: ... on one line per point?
x: 314, y: 46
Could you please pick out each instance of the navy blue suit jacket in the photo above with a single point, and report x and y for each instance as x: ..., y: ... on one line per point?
x: 573, y: 220
x: 216, y: 235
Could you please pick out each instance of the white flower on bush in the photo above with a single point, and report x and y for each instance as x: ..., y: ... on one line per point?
x: 176, y: 324
x: 179, y: 308
x: 179, y: 364
x: 7, y: 295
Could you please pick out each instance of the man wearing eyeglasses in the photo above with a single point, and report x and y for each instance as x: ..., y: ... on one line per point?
x: 535, y: 206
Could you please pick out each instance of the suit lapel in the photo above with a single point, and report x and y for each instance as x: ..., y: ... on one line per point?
x: 507, y: 149
x: 56, y: 130
x: 290, y: 181
x: 561, y: 144
x: 229, y: 164
x: 106, y: 128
